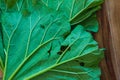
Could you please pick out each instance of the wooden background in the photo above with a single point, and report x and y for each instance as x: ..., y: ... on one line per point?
x: 109, y: 37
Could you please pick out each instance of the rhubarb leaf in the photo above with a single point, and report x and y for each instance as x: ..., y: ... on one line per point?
x: 91, y: 23
x: 35, y: 32
x: 79, y: 60
x: 75, y: 10
x: 40, y: 44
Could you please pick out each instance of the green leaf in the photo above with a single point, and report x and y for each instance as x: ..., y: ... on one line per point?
x: 79, y: 61
x: 91, y: 23
x: 39, y: 43
x: 70, y: 71
x: 48, y: 56
x: 34, y: 32
x: 75, y: 10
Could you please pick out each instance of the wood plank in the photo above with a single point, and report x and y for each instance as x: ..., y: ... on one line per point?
x: 109, y: 37
x: 103, y: 39
x: 113, y: 12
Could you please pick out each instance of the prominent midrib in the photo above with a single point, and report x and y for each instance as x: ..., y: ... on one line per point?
x: 40, y: 45
x: 58, y: 61
x: 87, y: 15
x: 87, y: 7
x: 72, y: 8
x: 32, y: 53
x: 63, y: 53
x: 51, y: 67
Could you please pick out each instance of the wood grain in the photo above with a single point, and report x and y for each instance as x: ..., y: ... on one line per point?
x: 103, y: 38
x: 109, y: 37
x: 113, y: 12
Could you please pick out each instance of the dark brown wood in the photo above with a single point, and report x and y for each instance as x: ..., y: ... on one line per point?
x: 109, y: 37
x: 103, y: 37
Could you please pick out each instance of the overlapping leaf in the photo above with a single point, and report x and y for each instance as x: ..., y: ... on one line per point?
x: 75, y: 10
x: 34, y: 34
x: 40, y: 44
x: 91, y: 23
x: 75, y: 62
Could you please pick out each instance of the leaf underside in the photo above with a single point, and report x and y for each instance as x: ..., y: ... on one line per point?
x: 48, y: 40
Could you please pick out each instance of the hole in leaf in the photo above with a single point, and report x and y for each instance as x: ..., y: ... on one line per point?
x: 49, y: 50
x: 82, y: 63
x: 63, y: 48
x: 42, y: 26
